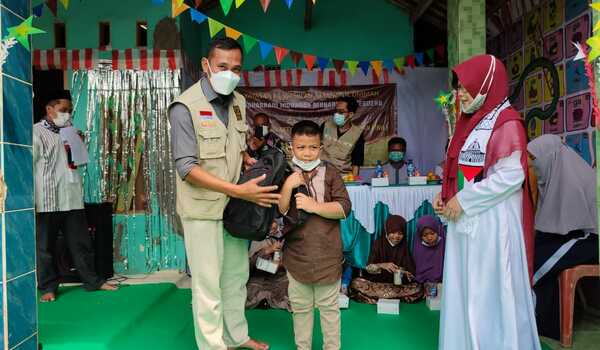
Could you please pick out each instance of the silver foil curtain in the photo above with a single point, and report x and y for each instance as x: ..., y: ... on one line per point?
x: 127, y: 135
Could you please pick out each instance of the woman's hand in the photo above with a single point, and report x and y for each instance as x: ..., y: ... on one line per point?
x: 389, y: 267
x: 438, y: 204
x: 453, y: 210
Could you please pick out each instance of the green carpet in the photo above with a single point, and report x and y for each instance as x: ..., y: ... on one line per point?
x: 158, y: 316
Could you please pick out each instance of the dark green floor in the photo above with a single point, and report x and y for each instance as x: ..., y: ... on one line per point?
x: 159, y: 316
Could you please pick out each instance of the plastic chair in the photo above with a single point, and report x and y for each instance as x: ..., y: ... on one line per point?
x: 568, y: 281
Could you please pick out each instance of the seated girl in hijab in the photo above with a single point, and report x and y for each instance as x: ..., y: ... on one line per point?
x: 428, y: 250
x: 267, y: 290
x: 565, y: 223
x: 388, y: 255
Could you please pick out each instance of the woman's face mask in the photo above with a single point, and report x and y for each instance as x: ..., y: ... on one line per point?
x: 62, y: 119
x: 396, y: 156
x: 223, y: 82
x: 477, y: 101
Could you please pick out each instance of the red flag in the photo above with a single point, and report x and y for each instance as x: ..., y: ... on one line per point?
x: 280, y: 53
x: 339, y: 65
x: 296, y: 57
x: 410, y: 61
x: 53, y: 6
x: 310, y: 61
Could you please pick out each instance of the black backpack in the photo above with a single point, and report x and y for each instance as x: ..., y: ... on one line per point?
x: 247, y: 220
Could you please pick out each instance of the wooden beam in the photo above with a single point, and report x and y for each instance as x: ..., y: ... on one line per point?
x: 308, y: 15
x: 420, y: 10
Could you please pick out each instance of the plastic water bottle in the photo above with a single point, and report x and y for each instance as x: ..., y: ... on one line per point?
x: 379, y: 169
x: 410, y: 168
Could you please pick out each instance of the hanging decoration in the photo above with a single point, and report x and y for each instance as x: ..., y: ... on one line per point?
x: 446, y: 101
x: 130, y: 159
x: 22, y: 32
x: 5, y: 45
x: 249, y: 42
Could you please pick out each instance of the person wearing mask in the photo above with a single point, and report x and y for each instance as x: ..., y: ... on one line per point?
x: 343, y: 140
x: 59, y: 202
x: 262, y: 139
x: 566, y: 223
x: 395, y: 167
x: 208, y: 136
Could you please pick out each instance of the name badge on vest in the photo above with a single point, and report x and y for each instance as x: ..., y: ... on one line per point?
x: 238, y: 112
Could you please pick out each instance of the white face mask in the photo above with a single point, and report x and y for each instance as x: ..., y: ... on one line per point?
x: 223, y: 82
x: 306, y: 166
x: 480, y: 98
x: 62, y: 119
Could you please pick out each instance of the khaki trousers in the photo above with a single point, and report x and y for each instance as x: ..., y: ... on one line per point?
x: 219, y: 268
x: 304, y: 298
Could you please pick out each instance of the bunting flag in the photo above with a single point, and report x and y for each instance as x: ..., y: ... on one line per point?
x: 289, y: 3
x: 232, y: 33
x: 296, y: 57
x: 338, y: 65
x: 226, y: 6
x: 399, y: 62
x: 239, y: 3
x: 38, y: 10
x: 420, y: 58
x: 323, y: 62
x: 197, y: 16
x: 53, y: 6
x: 310, y: 61
x: 265, y: 49
x: 265, y: 4
x: 214, y: 27
x: 377, y: 67
x: 178, y: 7
x: 364, y: 66
x: 352, y: 65
x: 280, y: 53
x: 249, y: 42
x: 65, y: 4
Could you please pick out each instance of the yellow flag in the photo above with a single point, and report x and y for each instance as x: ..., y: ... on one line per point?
x: 178, y: 7
x: 65, y: 3
x: 377, y: 66
x: 239, y: 3
x: 352, y: 65
x: 232, y: 33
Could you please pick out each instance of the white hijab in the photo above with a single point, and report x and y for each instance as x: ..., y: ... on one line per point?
x: 567, y: 188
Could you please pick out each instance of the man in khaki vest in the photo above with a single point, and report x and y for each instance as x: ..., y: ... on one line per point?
x: 343, y: 141
x: 208, y: 136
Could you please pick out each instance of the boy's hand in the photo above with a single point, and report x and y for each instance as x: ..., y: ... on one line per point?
x: 295, y: 180
x: 306, y: 203
x: 389, y: 267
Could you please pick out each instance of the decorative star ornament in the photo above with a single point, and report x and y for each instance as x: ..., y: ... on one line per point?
x: 580, y: 52
x: 22, y: 31
x: 443, y: 99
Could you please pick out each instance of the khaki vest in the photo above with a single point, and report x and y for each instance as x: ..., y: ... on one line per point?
x: 338, y: 151
x: 220, y: 152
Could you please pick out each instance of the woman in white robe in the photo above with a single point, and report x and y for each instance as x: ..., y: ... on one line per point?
x: 486, y: 299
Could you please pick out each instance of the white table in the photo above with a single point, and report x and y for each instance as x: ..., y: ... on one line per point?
x: 401, y: 200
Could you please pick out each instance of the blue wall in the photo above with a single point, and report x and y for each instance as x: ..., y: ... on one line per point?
x: 19, y: 314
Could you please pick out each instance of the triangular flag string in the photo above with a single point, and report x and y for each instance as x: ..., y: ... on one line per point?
x: 310, y: 61
x: 214, y: 27
x: 53, y: 6
x: 239, y: 3
x: 250, y: 42
x: 280, y: 53
x: 265, y: 49
x: 265, y: 4
x: 226, y: 6
x: 65, y: 4
x: 289, y: 3
x: 352, y: 65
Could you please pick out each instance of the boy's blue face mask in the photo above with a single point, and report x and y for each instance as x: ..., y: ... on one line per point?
x: 396, y: 156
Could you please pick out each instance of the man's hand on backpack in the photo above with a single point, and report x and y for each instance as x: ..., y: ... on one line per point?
x: 261, y: 195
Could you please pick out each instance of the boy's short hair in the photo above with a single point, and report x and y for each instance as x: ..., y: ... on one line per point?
x: 307, y: 128
x: 397, y: 141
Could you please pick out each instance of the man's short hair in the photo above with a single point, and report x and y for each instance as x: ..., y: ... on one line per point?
x: 224, y: 44
x: 54, y: 97
x: 261, y: 114
x: 350, y: 102
x: 397, y: 141
x: 307, y: 128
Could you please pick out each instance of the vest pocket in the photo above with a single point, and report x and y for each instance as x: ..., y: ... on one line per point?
x: 242, y: 130
x: 211, y: 144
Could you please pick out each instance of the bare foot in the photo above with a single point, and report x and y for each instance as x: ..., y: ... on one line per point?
x: 48, y: 297
x: 109, y: 287
x: 254, y: 345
